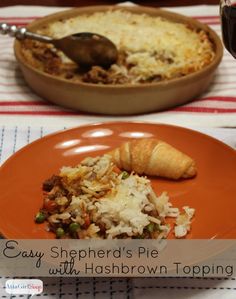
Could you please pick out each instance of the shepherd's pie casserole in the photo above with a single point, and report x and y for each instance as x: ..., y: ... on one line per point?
x: 151, y: 49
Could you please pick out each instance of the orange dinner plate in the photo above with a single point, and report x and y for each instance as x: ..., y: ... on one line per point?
x: 212, y: 192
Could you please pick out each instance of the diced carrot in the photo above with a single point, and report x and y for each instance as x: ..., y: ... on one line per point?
x: 86, y: 220
x: 50, y: 205
x: 116, y: 170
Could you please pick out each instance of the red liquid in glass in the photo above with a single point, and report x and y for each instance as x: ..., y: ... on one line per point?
x: 228, y: 18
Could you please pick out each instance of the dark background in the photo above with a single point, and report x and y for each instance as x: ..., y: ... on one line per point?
x: 156, y: 3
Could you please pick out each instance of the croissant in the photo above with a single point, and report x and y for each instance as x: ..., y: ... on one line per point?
x: 153, y: 157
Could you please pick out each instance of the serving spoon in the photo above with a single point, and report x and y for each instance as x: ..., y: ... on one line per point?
x: 85, y: 48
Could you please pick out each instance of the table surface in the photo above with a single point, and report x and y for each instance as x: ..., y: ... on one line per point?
x: 155, y: 3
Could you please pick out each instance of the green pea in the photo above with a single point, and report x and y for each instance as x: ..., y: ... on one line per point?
x: 40, y: 217
x: 124, y: 175
x: 150, y: 227
x: 73, y: 227
x: 60, y: 232
x: 157, y: 228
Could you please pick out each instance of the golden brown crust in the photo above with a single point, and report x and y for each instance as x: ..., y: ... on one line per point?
x: 141, y: 151
x: 154, y: 157
x: 125, y: 156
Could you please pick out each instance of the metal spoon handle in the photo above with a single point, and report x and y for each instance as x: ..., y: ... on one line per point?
x: 22, y: 33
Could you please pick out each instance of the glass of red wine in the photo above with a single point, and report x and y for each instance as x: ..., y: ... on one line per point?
x: 228, y: 24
